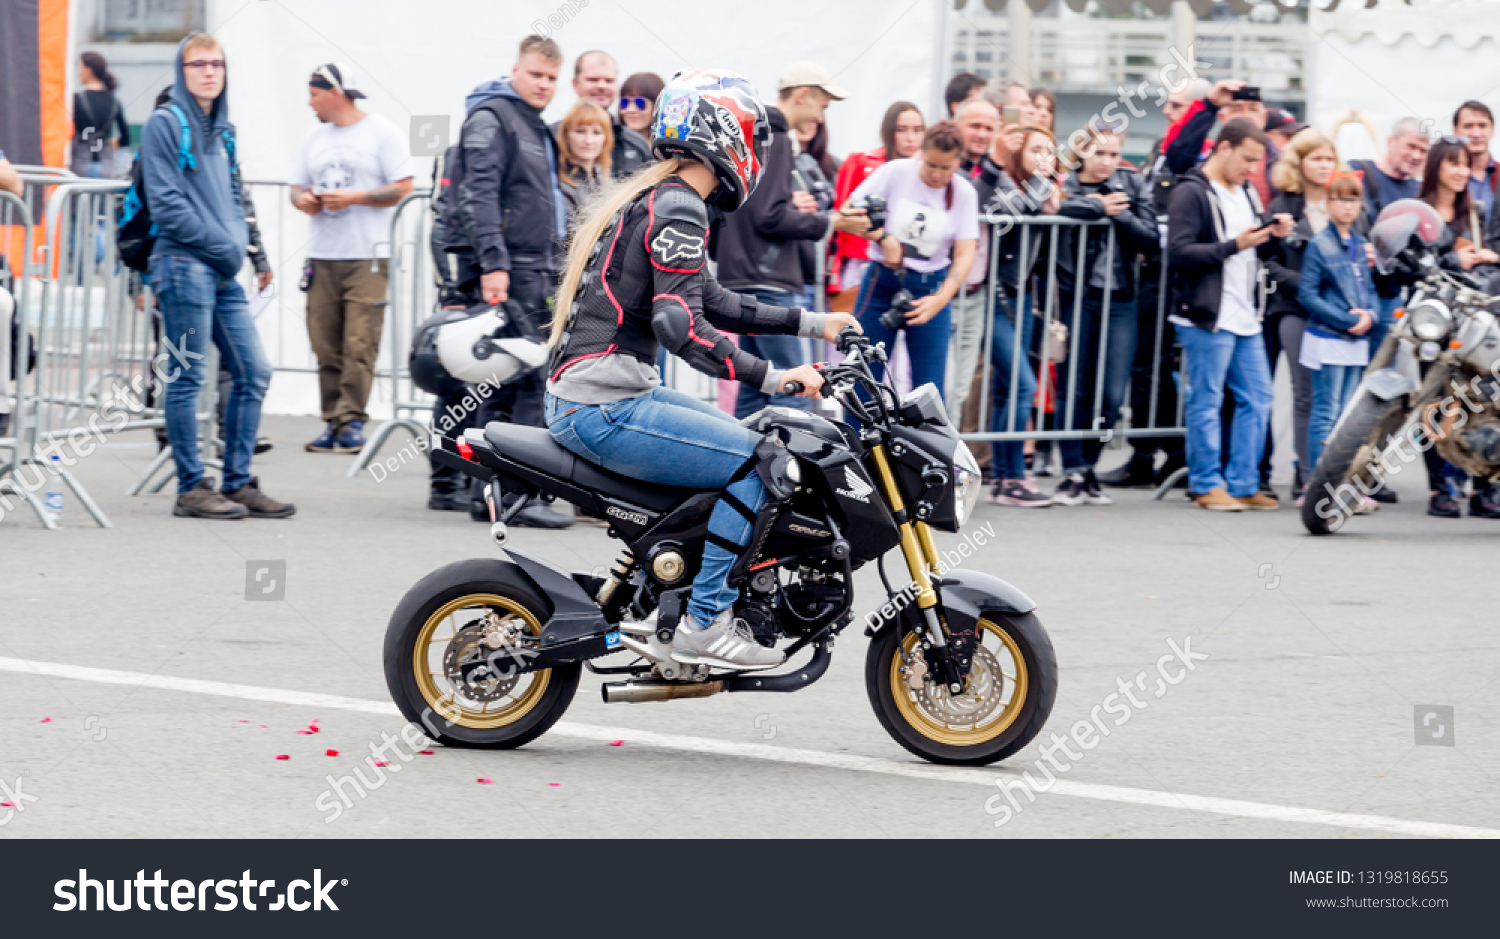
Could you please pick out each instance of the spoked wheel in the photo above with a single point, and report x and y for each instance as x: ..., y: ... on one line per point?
x: 1334, y: 490
x: 1011, y: 688
x: 453, y: 654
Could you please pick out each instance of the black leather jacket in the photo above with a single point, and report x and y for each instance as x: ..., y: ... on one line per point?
x: 1135, y: 232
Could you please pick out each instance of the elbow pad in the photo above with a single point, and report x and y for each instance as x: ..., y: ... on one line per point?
x: 673, y: 325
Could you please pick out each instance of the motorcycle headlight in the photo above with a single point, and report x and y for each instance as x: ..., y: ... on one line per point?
x: 967, y: 481
x: 1429, y: 320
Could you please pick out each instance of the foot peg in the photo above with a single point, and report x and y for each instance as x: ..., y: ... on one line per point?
x: 499, y: 533
x: 668, y: 612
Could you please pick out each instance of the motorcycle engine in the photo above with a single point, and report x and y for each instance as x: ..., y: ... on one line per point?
x: 1475, y: 446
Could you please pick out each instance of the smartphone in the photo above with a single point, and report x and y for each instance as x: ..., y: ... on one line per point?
x: 1010, y: 115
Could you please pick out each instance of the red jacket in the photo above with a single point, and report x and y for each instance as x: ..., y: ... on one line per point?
x: 851, y: 173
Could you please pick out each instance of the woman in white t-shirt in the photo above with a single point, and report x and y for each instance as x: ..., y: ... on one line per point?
x: 926, y: 248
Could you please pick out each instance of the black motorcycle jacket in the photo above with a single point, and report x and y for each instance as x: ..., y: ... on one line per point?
x: 646, y: 286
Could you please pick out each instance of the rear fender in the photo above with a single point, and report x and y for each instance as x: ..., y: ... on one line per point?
x: 575, y: 615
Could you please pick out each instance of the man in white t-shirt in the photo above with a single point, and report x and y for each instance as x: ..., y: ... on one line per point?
x: 1214, y: 239
x: 351, y: 171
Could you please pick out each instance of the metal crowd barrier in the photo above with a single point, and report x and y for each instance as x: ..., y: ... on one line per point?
x: 1039, y: 296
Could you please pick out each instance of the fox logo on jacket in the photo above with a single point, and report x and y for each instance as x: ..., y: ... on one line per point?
x: 670, y: 243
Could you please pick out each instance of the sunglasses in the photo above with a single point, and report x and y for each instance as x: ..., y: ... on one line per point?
x: 640, y: 104
x: 205, y: 63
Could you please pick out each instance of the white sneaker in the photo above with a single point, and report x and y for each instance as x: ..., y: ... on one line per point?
x: 727, y: 643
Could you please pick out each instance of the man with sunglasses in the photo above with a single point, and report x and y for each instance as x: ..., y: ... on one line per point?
x: 596, y: 79
x: 188, y: 164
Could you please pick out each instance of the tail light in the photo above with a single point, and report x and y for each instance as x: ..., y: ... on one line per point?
x: 464, y: 450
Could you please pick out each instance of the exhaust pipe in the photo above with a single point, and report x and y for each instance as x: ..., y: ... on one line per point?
x: 638, y: 692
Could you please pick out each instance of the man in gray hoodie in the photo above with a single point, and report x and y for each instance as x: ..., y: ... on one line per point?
x: 187, y: 160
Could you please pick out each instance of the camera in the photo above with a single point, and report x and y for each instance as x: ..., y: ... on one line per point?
x: 901, y: 303
x: 874, y: 207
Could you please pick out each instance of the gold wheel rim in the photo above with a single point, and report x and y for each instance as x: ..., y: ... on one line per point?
x: 427, y: 665
x: 986, y: 728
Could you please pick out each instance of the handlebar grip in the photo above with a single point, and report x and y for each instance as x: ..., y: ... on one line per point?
x: 793, y: 387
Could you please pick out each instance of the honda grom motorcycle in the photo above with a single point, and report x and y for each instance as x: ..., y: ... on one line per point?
x: 489, y: 652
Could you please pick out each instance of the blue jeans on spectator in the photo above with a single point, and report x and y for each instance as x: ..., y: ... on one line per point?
x: 1216, y: 360
x: 1009, y: 455
x: 780, y: 351
x: 1386, y: 307
x: 672, y: 439
x: 197, y: 302
x: 1080, y: 455
x: 927, y: 344
x: 1332, y: 387
x: 1120, y: 355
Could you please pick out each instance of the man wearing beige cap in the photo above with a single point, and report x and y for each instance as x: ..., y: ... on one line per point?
x: 769, y: 247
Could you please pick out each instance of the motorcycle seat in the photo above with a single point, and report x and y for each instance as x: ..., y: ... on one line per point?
x: 534, y: 447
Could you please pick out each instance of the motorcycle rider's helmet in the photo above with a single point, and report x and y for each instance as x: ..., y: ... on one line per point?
x: 482, y: 344
x: 1397, y: 226
x: 715, y: 117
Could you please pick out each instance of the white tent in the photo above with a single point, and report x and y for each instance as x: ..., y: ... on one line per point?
x: 1396, y: 60
x: 419, y: 60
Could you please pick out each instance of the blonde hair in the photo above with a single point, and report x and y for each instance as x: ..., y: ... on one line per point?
x: 583, y: 113
x: 595, y: 218
x: 200, y: 40
x: 1286, y: 175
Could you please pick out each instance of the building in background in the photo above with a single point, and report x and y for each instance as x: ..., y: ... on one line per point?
x: 138, y: 38
x: 1084, y: 50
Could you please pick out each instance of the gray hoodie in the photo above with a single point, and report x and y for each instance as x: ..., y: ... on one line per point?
x: 198, y: 210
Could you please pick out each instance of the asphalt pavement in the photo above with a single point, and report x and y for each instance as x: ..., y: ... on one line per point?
x: 1351, y: 686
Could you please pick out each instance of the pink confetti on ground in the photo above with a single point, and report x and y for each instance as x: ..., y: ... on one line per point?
x: 242, y: 721
x: 554, y: 784
x: 283, y: 756
x: 617, y: 743
x: 308, y: 732
x: 7, y: 805
x: 425, y: 752
x: 313, y: 728
x: 484, y: 780
x: 381, y: 763
x: 331, y: 752
x: 260, y: 725
x: 45, y: 720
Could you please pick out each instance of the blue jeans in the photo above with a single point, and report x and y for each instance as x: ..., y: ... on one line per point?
x: 672, y: 439
x: 1332, y: 387
x: 926, y: 345
x: 197, y: 301
x: 1386, y: 307
x: 1216, y: 360
x: 780, y: 351
x: 1009, y: 455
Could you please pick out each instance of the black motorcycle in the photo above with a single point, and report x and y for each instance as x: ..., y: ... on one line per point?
x: 488, y: 653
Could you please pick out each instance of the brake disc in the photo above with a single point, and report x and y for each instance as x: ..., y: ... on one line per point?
x: 496, y: 643
x: 980, y: 700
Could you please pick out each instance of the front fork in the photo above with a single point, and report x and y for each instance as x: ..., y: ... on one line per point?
x: 921, y: 556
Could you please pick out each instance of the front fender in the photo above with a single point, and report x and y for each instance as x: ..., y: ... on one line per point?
x: 1388, y: 384
x: 966, y: 595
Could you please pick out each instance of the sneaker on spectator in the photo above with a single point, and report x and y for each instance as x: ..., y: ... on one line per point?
x: 1218, y: 500
x: 1260, y: 502
x: 1484, y: 503
x: 1444, y: 503
x: 1365, y: 506
x: 263, y: 445
x: 323, y: 443
x: 449, y: 500
x: 1093, y: 494
x: 351, y: 439
x: 1019, y: 493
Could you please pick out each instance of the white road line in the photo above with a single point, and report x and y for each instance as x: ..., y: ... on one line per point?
x: 862, y: 764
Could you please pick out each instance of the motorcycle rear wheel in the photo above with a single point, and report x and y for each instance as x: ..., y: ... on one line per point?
x: 423, y: 628
x: 1347, y: 453
x: 1012, y: 687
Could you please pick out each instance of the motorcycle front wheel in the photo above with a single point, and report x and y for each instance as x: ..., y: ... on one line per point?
x: 484, y: 611
x: 1012, y: 686
x: 1354, y: 443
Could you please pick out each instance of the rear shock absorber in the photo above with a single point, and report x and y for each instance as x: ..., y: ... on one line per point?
x: 611, y: 598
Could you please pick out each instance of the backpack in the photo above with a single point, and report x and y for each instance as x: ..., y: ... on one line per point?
x: 135, y: 233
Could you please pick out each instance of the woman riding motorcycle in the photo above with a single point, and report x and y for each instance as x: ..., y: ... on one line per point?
x: 635, y: 281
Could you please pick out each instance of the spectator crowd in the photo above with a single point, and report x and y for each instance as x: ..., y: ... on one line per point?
x: 1166, y: 293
